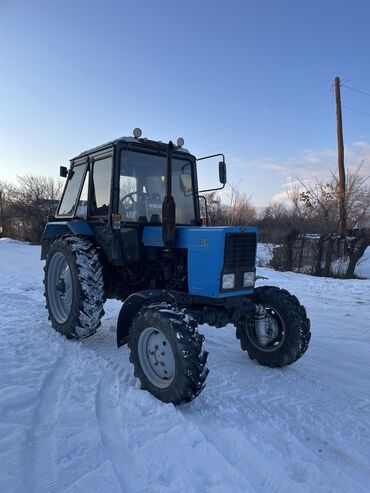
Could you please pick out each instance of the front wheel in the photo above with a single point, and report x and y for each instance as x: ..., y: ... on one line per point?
x: 167, y: 353
x: 286, y: 335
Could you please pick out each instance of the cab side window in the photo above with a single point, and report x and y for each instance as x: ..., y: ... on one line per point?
x: 101, y: 186
x: 68, y: 203
x: 82, y: 203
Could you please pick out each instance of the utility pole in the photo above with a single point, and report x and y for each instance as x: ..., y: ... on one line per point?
x: 342, y: 175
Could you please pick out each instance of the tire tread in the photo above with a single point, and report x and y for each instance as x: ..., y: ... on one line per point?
x: 290, y: 351
x: 189, y: 344
x: 86, y: 316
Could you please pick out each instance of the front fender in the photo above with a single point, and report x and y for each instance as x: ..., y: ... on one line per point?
x: 132, y: 305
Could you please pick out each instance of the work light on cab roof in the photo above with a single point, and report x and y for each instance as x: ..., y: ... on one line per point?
x: 137, y: 133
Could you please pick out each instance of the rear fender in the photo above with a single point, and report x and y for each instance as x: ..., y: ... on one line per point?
x: 132, y: 306
x: 58, y: 228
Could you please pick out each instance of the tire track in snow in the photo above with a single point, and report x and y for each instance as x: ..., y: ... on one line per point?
x: 115, y: 435
x: 244, y: 455
x: 265, y: 414
x: 116, y: 442
x: 308, y: 438
x: 40, y: 472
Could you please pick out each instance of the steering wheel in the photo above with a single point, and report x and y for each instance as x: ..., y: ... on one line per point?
x: 129, y: 196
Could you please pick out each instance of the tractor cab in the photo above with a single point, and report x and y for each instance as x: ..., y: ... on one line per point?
x: 140, y: 201
x: 127, y: 178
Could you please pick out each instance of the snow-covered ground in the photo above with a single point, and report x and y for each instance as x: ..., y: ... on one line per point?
x: 73, y: 419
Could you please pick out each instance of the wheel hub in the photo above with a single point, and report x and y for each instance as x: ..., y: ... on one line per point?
x: 273, y: 329
x: 268, y: 330
x: 156, y: 357
x: 60, y: 288
x: 65, y: 281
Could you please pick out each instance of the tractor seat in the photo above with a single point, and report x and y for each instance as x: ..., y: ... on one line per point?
x: 155, y: 218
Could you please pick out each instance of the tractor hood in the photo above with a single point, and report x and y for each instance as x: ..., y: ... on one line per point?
x: 212, y: 252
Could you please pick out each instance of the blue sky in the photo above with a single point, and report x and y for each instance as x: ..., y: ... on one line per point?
x: 75, y: 74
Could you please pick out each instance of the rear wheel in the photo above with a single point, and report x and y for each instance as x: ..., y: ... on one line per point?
x: 286, y: 335
x: 167, y: 353
x: 74, y: 287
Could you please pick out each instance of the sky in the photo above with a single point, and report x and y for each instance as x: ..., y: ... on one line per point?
x: 251, y: 79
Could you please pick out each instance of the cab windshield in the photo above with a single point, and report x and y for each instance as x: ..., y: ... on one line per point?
x: 143, y: 188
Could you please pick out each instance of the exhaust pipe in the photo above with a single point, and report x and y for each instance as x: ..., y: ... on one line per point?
x: 169, y: 206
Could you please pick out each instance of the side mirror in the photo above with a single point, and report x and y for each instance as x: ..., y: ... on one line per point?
x: 186, y: 184
x: 222, y: 172
x: 63, y: 171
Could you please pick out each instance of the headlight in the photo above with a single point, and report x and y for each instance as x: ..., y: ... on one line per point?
x: 228, y: 281
x: 248, y: 279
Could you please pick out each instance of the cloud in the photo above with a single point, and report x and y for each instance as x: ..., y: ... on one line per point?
x: 273, y: 166
x: 361, y: 144
x: 312, y: 164
x: 321, y: 163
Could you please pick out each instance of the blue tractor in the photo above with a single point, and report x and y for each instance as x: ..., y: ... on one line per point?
x: 128, y: 226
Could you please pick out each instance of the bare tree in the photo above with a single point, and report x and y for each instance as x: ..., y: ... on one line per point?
x: 315, y: 209
x: 357, y: 196
x: 32, y: 200
x: 322, y: 198
x: 212, y: 202
x: 239, y: 210
x: 275, y: 222
x: 4, y: 206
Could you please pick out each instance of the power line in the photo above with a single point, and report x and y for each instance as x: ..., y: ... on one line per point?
x: 301, y: 122
x: 356, y: 111
x: 298, y: 94
x: 236, y: 122
x: 356, y: 90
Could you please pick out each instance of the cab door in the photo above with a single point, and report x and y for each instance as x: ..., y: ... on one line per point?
x: 72, y: 190
x: 100, y: 187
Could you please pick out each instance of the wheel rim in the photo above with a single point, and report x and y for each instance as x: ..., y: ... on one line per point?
x: 60, y: 287
x: 156, y: 357
x: 277, y: 331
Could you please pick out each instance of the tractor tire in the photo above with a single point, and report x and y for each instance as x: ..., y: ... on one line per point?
x: 288, y: 324
x: 167, y: 353
x: 74, y: 287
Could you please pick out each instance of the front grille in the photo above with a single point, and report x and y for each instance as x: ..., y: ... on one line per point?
x: 240, y: 252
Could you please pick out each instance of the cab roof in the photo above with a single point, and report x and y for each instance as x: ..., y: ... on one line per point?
x: 140, y: 141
